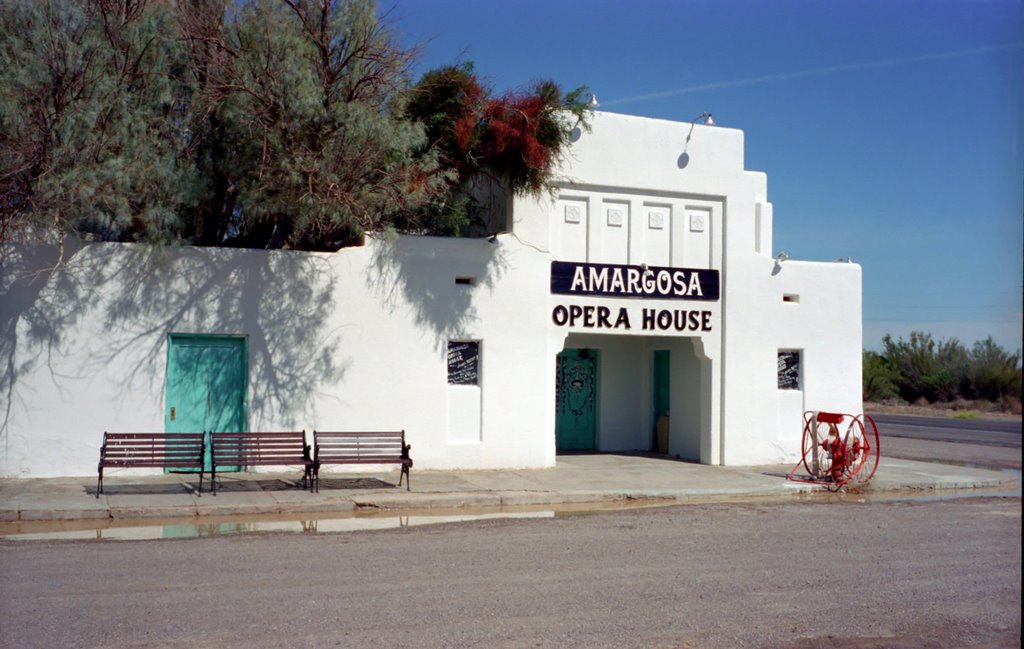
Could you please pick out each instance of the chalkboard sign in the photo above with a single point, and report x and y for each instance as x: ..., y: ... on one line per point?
x: 789, y: 370
x: 463, y: 363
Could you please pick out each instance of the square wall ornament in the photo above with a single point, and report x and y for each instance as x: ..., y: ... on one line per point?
x: 698, y: 222
x: 573, y: 214
x: 616, y: 215
x: 656, y: 219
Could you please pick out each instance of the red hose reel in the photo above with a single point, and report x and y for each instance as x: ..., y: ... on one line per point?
x: 837, y: 449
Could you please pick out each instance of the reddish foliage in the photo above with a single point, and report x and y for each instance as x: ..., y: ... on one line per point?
x: 510, y: 141
x: 465, y: 131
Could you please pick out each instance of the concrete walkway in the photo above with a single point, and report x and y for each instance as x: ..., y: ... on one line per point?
x: 594, y: 478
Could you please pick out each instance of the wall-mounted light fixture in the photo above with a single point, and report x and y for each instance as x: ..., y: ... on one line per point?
x: 782, y: 256
x: 705, y: 118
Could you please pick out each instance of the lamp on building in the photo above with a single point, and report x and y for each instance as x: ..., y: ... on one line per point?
x: 782, y: 256
x: 593, y: 101
x: 705, y: 118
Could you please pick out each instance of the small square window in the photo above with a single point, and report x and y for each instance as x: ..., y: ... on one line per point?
x: 464, y: 363
x: 789, y: 370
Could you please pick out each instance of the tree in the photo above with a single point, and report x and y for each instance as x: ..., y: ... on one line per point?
x: 305, y: 140
x: 994, y: 373
x: 880, y: 379
x: 259, y: 123
x: 90, y: 121
x: 512, y: 142
x: 926, y: 368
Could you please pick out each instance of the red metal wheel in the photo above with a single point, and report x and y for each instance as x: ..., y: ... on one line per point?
x: 874, y: 454
x: 858, y: 450
x: 816, y: 453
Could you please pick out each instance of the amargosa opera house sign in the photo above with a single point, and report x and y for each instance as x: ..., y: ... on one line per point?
x: 645, y: 282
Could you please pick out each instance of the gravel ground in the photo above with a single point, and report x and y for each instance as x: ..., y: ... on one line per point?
x: 843, y: 574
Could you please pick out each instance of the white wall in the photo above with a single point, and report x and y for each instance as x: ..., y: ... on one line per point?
x: 352, y: 340
x: 358, y: 339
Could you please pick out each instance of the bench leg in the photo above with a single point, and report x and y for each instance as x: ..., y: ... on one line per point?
x: 99, y: 483
x: 405, y: 474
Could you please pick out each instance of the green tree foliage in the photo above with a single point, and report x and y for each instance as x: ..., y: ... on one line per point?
x: 926, y: 368
x: 260, y: 123
x: 881, y: 380
x: 943, y: 370
x: 993, y: 373
x: 305, y: 125
x: 91, y: 102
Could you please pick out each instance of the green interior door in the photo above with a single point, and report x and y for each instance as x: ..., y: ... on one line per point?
x: 576, y: 400
x: 662, y: 372
x: 206, y: 379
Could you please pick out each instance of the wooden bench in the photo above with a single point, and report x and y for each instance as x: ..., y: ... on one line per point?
x: 361, y: 448
x: 229, y: 449
x: 159, y: 450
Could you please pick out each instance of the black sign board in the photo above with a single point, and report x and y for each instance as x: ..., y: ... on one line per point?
x: 616, y: 280
x: 789, y: 370
x: 463, y: 363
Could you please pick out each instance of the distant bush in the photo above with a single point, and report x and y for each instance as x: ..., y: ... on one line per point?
x: 993, y: 373
x: 880, y: 379
x: 941, y: 371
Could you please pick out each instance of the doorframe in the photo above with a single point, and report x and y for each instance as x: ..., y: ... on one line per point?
x: 244, y: 338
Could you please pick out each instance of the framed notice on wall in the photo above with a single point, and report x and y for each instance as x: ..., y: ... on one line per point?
x: 463, y: 363
x: 789, y: 370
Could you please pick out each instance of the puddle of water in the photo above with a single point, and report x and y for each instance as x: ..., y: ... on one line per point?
x: 340, y: 522
x: 189, y: 528
x: 959, y: 494
x: 309, y: 523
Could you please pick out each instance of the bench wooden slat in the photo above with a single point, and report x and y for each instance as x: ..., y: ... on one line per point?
x: 260, y: 448
x: 361, y: 447
x: 151, y: 450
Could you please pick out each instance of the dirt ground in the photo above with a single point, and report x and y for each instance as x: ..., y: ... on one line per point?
x: 965, y: 409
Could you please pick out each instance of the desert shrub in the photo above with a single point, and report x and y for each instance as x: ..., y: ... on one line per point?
x: 880, y: 379
x: 934, y: 371
x: 993, y: 373
x: 921, y: 369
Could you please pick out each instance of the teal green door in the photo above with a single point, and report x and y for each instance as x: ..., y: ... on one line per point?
x: 206, y: 380
x: 576, y: 400
x: 662, y: 372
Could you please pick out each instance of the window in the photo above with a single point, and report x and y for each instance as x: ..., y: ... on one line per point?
x: 464, y: 363
x: 789, y: 370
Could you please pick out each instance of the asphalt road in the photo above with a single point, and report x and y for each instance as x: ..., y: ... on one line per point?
x: 974, y: 442
x: 990, y: 432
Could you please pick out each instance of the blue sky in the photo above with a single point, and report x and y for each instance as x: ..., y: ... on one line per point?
x: 890, y: 130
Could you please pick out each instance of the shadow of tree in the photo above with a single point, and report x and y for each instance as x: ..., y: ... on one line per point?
x: 422, y: 272
x: 132, y: 296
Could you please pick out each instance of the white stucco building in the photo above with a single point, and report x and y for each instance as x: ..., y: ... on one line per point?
x: 646, y: 287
